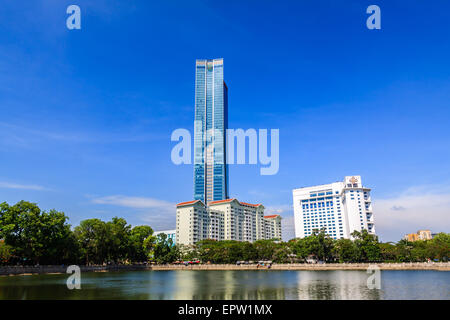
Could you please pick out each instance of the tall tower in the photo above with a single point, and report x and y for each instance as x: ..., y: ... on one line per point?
x: 211, y: 122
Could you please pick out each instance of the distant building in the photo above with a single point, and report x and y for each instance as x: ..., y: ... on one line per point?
x: 420, y: 235
x: 171, y: 234
x: 227, y: 219
x: 424, y: 234
x: 340, y: 207
x: 411, y: 237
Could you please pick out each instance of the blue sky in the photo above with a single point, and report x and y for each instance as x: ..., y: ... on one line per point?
x: 86, y: 115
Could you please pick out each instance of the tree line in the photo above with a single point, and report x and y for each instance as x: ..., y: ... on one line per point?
x: 321, y: 247
x: 31, y: 236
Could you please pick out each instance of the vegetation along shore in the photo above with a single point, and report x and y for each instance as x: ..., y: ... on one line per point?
x: 30, y: 237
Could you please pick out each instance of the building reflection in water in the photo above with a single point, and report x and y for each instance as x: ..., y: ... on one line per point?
x: 342, y: 285
x: 228, y: 285
x: 262, y: 284
x: 279, y: 285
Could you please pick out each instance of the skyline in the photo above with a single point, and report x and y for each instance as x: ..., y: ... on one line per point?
x: 86, y: 115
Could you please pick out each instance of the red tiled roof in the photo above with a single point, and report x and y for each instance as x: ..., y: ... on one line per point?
x: 229, y: 200
x: 250, y: 204
x: 222, y: 201
x: 272, y: 216
x: 187, y: 202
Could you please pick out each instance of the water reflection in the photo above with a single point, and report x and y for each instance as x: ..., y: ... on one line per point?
x: 330, y: 285
x: 205, y: 285
x: 227, y: 285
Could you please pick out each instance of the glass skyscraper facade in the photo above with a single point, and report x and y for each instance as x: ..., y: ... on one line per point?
x: 211, y: 122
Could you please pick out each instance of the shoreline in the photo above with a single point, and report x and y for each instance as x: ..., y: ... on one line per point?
x: 37, y: 270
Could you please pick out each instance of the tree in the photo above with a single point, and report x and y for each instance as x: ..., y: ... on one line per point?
x: 20, y: 229
x: 388, y: 251
x: 403, y: 251
x: 164, y: 249
x: 367, y: 246
x: 118, y: 237
x: 265, y: 249
x: 92, y: 237
x: 301, y: 248
x: 56, y: 238
x: 137, y: 250
x: 5, y: 253
x: 35, y: 236
x: 320, y: 244
x: 189, y: 252
x: 439, y: 247
x: 282, y: 253
x: 345, y: 250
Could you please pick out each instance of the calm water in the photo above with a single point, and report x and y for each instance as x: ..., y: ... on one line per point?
x: 230, y: 285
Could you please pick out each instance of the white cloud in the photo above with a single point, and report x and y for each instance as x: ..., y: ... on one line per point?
x: 133, y: 202
x: 159, y: 214
x: 414, y: 209
x: 26, y: 137
x: 278, y: 209
x: 9, y: 185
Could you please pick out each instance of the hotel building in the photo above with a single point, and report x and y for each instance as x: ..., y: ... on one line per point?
x: 227, y: 219
x: 340, y: 207
x: 211, y: 122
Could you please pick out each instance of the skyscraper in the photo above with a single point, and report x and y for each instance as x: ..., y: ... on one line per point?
x: 211, y: 122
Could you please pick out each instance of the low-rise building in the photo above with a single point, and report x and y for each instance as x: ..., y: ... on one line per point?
x: 420, y: 235
x: 227, y: 219
x: 171, y: 234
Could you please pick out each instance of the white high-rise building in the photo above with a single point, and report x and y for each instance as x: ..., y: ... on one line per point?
x: 340, y: 207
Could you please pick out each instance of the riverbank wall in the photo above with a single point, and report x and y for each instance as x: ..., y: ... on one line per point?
x: 56, y: 269
x: 29, y: 270
x: 442, y: 266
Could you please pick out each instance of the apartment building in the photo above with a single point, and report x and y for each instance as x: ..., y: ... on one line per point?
x: 272, y: 226
x: 227, y: 219
x: 420, y: 235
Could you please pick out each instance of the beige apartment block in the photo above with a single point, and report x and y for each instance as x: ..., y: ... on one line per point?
x: 273, y: 226
x: 227, y: 219
x: 420, y: 235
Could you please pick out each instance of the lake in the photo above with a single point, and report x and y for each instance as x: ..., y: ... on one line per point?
x: 205, y: 285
